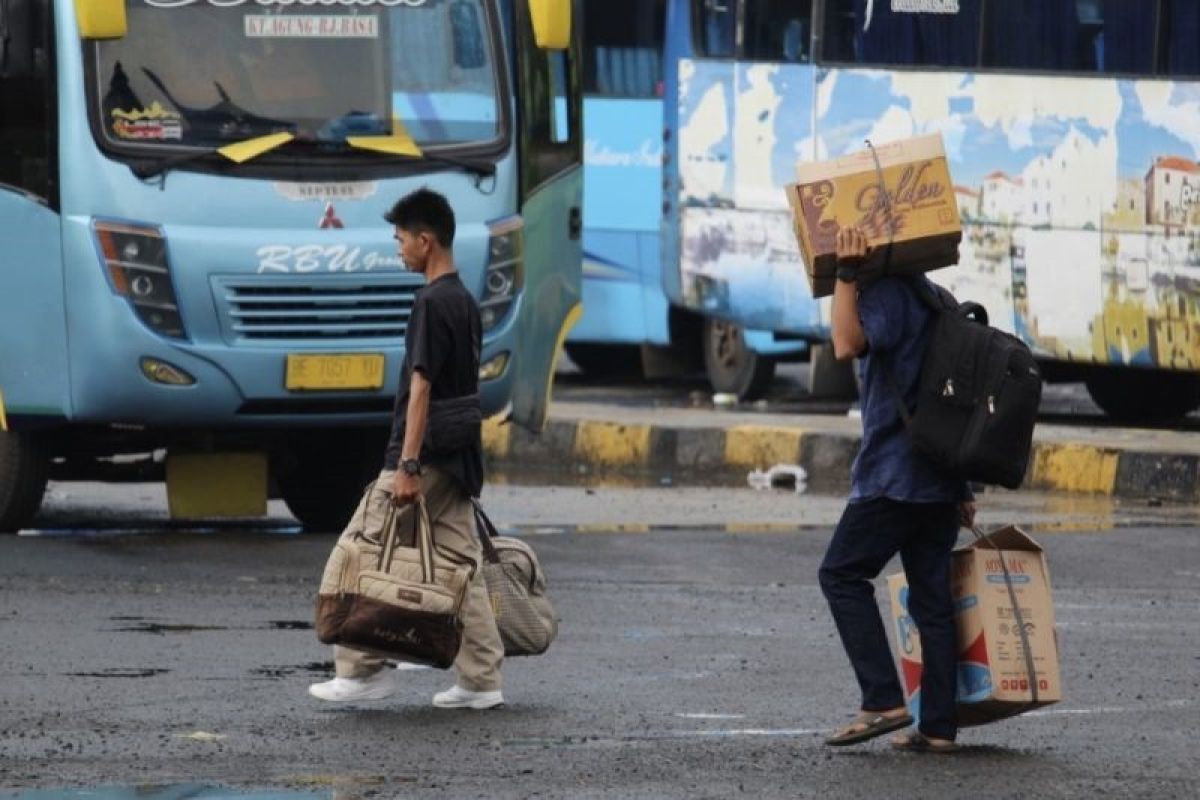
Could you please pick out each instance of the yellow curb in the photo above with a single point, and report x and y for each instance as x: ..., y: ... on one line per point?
x: 764, y: 527
x: 760, y: 446
x: 497, y: 437
x: 619, y: 528
x: 611, y: 444
x: 1074, y: 468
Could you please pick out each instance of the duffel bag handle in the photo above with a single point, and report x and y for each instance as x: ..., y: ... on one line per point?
x: 422, y: 534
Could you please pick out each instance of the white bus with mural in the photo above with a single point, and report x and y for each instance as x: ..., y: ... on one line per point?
x: 1073, y: 133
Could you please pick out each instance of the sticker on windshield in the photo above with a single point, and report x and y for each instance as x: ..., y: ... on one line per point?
x: 263, y: 26
x: 154, y: 123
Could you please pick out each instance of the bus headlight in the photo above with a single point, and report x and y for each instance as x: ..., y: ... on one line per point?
x: 505, y: 273
x: 136, y: 259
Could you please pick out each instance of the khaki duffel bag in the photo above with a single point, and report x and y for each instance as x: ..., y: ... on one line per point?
x: 516, y: 586
x: 397, y: 602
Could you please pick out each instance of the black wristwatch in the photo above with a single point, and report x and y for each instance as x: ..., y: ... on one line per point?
x: 847, y: 273
x: 410, y: 466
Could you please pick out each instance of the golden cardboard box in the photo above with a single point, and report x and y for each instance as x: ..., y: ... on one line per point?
x: 916, y: 212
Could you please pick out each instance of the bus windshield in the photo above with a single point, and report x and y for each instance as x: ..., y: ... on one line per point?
x: 206, y: 73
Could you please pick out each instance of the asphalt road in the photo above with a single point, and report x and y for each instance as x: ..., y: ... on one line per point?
x: 695, y: 661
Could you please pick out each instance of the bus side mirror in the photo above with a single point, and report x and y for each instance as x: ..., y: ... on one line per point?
x: 101, y: 19
x: 551, y: 23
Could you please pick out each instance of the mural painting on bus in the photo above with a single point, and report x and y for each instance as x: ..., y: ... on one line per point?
x: 1080, y: 197
x: 742, y: 128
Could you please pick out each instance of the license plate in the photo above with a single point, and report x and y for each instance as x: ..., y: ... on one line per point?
x: 306, y: 373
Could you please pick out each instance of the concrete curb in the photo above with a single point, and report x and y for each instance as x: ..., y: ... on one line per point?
x: 723, y: 453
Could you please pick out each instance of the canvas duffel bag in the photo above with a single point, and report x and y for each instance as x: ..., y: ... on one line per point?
x: 516, y: 586
x: 394, y: 601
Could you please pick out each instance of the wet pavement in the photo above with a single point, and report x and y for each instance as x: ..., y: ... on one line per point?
x: 696, y: 659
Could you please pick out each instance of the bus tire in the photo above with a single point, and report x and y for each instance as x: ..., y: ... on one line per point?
x: 1132, y: 395
x: 606, y: 360
x: 323, y: 475
x: 732, y: 367
x: 24, y: 471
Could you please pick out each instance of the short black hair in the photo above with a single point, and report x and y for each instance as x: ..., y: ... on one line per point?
x: 424, y: 210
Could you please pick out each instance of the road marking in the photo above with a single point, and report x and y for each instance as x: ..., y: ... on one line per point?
x: 711, y: 716
x: 1070, y: 712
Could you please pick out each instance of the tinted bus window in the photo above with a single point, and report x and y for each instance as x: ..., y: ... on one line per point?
x: 716, y: 27
x: 622, y: 45
x: 777, y: 30
x: 1179, y: 36
x: 1071, y: 35
x: 25, y: 116
x: 872, y: 32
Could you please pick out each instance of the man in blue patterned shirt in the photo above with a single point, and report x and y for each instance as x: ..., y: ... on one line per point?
x: 900, y: 502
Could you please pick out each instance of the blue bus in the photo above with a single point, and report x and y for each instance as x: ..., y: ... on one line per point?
x: 1073, y: 136
x: 195, y: 264
x: 629, y: 323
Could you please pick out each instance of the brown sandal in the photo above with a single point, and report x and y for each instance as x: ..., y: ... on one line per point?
x: 916, y: 742
x: 868, y: 725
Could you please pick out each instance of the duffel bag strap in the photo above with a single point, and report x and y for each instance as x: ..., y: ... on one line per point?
x: 486, y: 531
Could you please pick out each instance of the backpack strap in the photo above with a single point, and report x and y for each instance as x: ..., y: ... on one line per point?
x: 939, y: 299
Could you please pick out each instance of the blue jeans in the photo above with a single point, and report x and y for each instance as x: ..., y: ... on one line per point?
x: 868, y: 535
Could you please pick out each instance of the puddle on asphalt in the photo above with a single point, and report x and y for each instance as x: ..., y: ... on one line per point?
x: 172, y: 792
x: 119, y: 672
x: 149, y: 625
x: 142, y: 527
x: 161, y: 628
x: 286, y: 671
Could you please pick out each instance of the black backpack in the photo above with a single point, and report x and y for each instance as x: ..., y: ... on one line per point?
x: 978, y: 394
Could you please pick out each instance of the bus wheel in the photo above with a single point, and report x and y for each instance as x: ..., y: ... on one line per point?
x: 733, y: 368
x: 606, y: 360
x: 24, y: 470
x: 323, y: 475
x: 1131, y: 395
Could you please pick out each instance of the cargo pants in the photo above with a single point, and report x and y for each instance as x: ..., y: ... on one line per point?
x: 452, y: 518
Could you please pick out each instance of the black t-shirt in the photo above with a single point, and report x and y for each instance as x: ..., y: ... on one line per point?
x: 443, y: 342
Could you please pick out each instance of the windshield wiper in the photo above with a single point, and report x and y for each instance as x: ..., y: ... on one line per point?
x: 399, y: 144
x: 238, y: 153
x: 252, y: 148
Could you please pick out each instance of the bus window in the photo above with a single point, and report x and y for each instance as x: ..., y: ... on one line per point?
x: 716, y: 27
x: 551, y: 125
x: 777, y: 30
x: 622, y: 43
x: 1070, y: 35
x: 877, y: 32
x: 1179, y: 53
x: 25, y: 146
x: 560, y: 96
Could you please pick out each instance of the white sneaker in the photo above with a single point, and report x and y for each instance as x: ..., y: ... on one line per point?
x: 347, y: 690
x: 458, y: 697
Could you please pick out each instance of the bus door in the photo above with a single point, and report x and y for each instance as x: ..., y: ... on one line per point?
x: 33, y: 375
x: 741, y: 77
x: 551, y: 185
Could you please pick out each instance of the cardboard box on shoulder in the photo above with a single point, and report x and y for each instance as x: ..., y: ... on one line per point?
x: 993, y: 675
x: 916, y: 209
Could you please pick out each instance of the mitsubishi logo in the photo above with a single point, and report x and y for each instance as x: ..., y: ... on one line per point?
x: 330, y: 219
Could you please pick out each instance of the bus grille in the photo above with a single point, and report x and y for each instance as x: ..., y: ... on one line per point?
x: 326, y: 309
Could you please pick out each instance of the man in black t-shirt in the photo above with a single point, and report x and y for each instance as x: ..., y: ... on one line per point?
x: 434, y: 454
